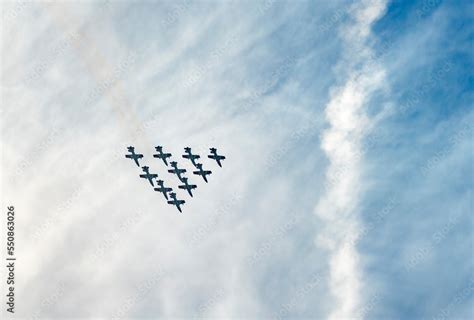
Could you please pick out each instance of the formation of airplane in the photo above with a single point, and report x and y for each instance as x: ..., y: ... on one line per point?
x: 168, y: 193
x: 134, y: 156
x: 215, y: 156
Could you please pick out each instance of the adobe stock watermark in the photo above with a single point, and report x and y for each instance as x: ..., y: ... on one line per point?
x: 40, y: 149
x: 71, y: 39
x: 436, y: 238
x: 423, y: 90
x: 199, y: 233
x: 112, y: 79
x: 272, y: 79
x: 173, y: 16
x: 368, y: 307
x: 447, y: 312
x: 207, y: 306
x: 216, y: 57
x: 295, y: 137
x: 112, y: 238
x: 265, y: 248
x: 454, y: 140
x: 51, y: 300
x: 342, y: 170
x: 18, y: 8
x: 142, y: 291
x: 58, y: 213
x: 303, y: 291
x: 352, y: 239
x: 426, y: 7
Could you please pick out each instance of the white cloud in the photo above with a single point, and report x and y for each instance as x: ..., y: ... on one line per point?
x: 341, y: 142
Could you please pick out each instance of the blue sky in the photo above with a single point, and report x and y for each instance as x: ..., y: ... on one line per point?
x: 347, y: 188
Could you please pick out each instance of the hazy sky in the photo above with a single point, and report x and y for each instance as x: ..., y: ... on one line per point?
x: 347, y: 188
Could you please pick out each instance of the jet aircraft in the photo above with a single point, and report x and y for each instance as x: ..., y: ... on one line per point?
x: 215, y: 156
x: 176, y: 202
x: 161, y: 155
x: 186, y: 186
x: 202, y: 172
x: 149, y: 176
x: 190, y: 156
x: 161, y: 188
x: 134, y: 156
x: 176, y: 170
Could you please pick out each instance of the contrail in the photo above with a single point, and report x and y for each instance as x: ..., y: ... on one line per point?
x: 341, y: 142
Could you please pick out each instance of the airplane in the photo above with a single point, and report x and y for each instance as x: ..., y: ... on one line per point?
x: 188, y: 187
x: 175, y: 201
x: 133, y: 155
x: 149, y: 176
x: 215, y: 156
x: 163, y: 189
x: 161, y: 155
x: 190, y: 156
x: 201, y: 172
x: 176, y: 171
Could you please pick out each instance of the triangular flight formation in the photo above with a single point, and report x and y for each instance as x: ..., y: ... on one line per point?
x: 159, y: 185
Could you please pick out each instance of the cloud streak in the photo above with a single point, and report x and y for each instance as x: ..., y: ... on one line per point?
x: 341, y: 142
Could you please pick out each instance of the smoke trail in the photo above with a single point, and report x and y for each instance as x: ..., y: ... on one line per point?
x: 342, y: 144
